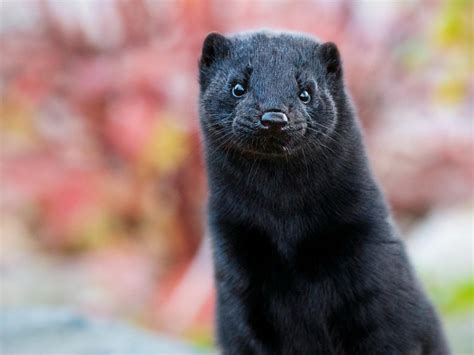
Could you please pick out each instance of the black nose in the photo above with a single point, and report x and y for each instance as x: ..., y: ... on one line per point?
x: 274, y: 120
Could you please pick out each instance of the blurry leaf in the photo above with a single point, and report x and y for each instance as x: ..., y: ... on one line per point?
x: 454, y: 43
x: 451, y: 90
x: 201, y: 338
x: 129, y: 121
x: 167, y: 147
x: 455, y: 298
x: 93, y: 230
x: 455, y: 27
x: 414, y: 54
x: 16, y: 121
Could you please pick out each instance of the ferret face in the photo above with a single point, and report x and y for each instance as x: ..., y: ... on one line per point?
x: 268, y: 94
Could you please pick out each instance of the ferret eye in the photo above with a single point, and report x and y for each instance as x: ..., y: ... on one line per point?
x: 304, y: 96
x: 238, y: 90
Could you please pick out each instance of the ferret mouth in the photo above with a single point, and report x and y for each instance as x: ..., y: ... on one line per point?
x: 269, y: 143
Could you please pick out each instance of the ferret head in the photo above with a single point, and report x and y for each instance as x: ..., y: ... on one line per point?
x: 269, y: 94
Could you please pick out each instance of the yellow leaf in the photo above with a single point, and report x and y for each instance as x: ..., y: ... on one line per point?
x: 167, y: 147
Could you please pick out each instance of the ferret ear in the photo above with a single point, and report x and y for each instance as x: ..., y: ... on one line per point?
x: 331, y: 59
x: 215, y: 46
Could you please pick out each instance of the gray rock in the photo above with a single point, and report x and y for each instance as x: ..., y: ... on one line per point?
x: 62, y: 331
x: 441, y: 245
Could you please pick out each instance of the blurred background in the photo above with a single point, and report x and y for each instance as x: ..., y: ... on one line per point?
x: 102, y: 181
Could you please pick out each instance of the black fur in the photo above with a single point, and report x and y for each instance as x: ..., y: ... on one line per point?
x: 306, y: 258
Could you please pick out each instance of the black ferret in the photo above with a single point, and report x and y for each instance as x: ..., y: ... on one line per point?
x: 307, y: 260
